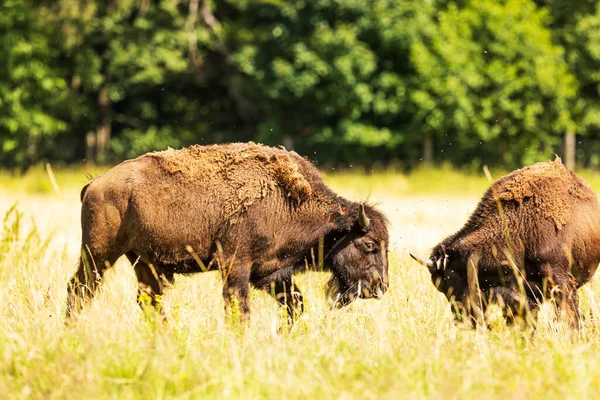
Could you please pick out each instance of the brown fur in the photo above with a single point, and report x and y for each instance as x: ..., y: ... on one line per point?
x: 550, y: 185
x: 257, y: 171
x: 545, y: 234
x: 253, y: 210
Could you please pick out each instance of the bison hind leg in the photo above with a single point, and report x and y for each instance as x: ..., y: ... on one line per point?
x: 563, y: 292
x: 80, y: 289
x: 150, y: 286
x: 86, y: 280
x: 560, y: 287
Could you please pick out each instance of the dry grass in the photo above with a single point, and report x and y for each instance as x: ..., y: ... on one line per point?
x: 404, y: 346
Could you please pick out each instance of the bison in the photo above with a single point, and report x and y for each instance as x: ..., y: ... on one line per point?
x: 258, y: 214
x: 534, y: 235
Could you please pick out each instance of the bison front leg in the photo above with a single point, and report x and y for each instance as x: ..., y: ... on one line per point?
x: 236, y: 287
x: 289, y: 296
x: 515, y: 305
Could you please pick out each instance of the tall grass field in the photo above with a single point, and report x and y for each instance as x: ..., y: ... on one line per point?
x: 405, y: 345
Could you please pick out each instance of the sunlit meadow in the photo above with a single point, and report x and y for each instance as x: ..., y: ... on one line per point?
x: 403, y: 346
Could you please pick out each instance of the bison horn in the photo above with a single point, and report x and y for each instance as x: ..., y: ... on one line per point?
x: 426, y: 262
x: 363, y: 220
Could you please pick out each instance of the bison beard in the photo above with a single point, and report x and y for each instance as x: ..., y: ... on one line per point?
x: 344, y: 287
x: 535, y: 234
x: 253, y: 212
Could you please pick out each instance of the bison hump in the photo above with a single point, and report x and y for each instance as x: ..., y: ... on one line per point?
x: 289, y: 178
x: 239, y: 173
x: 550, y: 186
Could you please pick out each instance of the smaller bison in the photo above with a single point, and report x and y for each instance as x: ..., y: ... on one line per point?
x: 535, y: 234
x: 258, y: 214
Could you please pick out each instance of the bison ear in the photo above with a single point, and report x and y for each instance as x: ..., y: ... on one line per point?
x: 363, y: 220
x: 342, y: 221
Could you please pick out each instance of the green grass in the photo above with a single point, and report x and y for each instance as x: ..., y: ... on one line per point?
x: 36, y: 180
x: 403, y: 346
x: 422, y: 181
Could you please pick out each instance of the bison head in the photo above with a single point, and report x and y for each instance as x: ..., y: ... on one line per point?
x: 470, y: 285
x: 449, y: 274
x: 359, y: 259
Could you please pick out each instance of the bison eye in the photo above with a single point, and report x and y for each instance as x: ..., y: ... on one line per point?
x: 368, y: 246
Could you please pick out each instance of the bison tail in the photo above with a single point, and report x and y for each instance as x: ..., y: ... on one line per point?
x: 84, y: 189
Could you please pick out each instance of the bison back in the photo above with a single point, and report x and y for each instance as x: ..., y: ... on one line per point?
x: 166, y: 200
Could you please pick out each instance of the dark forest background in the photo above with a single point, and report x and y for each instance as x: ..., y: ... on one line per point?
x: 372, y: 83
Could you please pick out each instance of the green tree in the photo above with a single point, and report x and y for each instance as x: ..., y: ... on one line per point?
x: 33, y: 89
x: 130, y: 73
x: 493, y: 87
x: 344, y: 81
x: 107, y: 80
x: 326, y: 75
x: 579, y: 31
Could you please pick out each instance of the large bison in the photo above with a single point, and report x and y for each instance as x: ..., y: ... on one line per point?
x: 258, y: 214
x: 535, y: 234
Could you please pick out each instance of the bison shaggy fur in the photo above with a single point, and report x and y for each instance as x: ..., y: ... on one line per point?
x: 534, y: 235
x: 258, y: 214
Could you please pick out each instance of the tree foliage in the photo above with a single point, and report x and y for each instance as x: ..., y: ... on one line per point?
x: 346, y: 81
x: 493, y: 84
